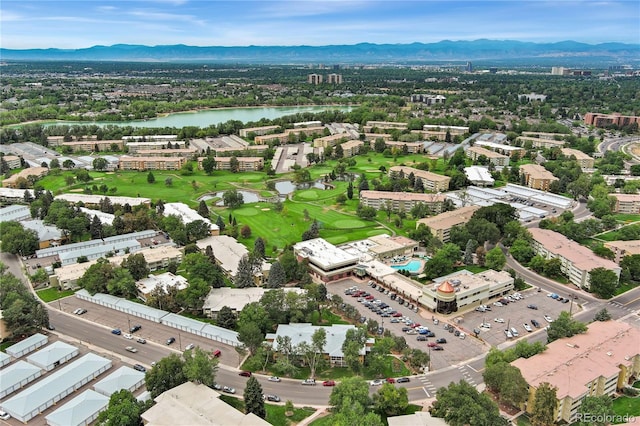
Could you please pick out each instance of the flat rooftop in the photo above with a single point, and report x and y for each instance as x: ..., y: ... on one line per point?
x: 324, y: 254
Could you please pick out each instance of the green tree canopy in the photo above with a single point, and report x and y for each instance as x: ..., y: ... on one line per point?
x: 390, y: 400
x: 16, y: 239
x: 460, y: 404
x: 166, y: 374
x: 544, y: 407
x: 253, y: 401
x: 200, y: 366
x: 348, y: 391
x: 564, y: 326
x: 123, y: 410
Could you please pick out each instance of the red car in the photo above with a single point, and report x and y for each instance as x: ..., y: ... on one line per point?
x: 397, y: 314
x: 432, y: 344
x: 328, y: 383
x: 391, y: 380
x: 245, y: 373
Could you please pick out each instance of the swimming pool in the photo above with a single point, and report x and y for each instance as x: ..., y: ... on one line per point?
x: 414, y: 266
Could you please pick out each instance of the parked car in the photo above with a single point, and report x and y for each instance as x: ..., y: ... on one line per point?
x: 535, y: 323
x: 116, y: 331
x: 421, y: 338
x: 127, y: 336
x: 139, y: 367
x: 441, y: 340
x: 309, y: 382
x: 141, y: 340
x: 4, y: 415
x: 403, y: 380
x: 548, y: 319
x: 189, y: 347
x: 50, y: 327
x: 376, y: 382
x: 245, y: 373
x: 438, y: 348
x: 274, y: 379
x: 272, y: 398
x: 499, y: 320
x: 228, y: 389
x: 131, y: 349
x: 328, y: 383
x: 532, y: 307
x: 170, y: 340
x: 432, y: 344
x: 527, y: 327
x: 135, y: 328
x: 216, y: 353
x: 391, y: 380
x: 217, y: 386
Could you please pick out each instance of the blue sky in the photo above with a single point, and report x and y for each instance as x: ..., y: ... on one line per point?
x: 84, y: 23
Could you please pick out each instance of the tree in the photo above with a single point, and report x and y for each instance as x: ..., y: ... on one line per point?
x: 203, y: 210
x: 137, y: 266
x: 226, y: 318
x: 508, y: 382
x: 99, y: 164
x: 258, y: 248
x: 244, y: 275
x: 199, y: 266
x: 151, y: 178
x: 603, y: 282
x: 253, y: 401
x: 564, y: 326
x: 602, y: 315
x: 390, y: 400
x: 245, y: 231
x: 521, y: 250
x: 350, y: 190
x: 166, y: 374
x: 351, y: 347
x: 123, y: 410
x: 495, y: 259
x: 250, y: 335
x: 277, y: 276
x: 544, y: 406
x: 312, y: 353
x: 220, y: 223
x: 200, y: 366
x: 232, y: 199
x: 348, y: 391
x: 209, y: 165
x: 95, y: 229
x: 16, y: 239
x: 461, y: 404
x: 168, y: 181
x: 595, y: 411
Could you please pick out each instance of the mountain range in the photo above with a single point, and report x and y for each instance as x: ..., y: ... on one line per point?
x: 445, y: 50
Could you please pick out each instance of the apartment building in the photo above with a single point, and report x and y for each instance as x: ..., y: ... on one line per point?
x: 326, y: 261
x: 351, y: 148
x: 162, y: 281
x: 623, y: 248
x: 440, y: 225
x: 494, y: 158
x: 501, y: 148
x: 134, y: 147
x: 314, y: 79
x: 182, y: 152
x: 92, y: 146
x: 13, y: 161
x: 536, y: 176
x: 187, y: 215
x: 30, y: 173
x: 585, y: 161
x: 384, y: 125
x: 245, y: 164
x: 151, y: 163
x: 576, y: 260
x: 601, y: 361
x: 429, y: 131
x: 257, y: 131
x: 371, y: 137
x: 431, y: 181
x: 412, y: 147
x: 331, y: 140
x: 626, y: 203
x: 428, y: 99
x: 529, y: 97
x: 402, y: 201
x: 602, y: 120
x: 334, y: 78
x: 289, y: 135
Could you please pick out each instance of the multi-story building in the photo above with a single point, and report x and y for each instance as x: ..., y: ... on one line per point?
x: 236, y: 298
x: 479, y: 176
x: 326, y: 261
x: 331, y: 140
x: 164, y: 281
x: 258, y: 131
x: 245, y: 164
x: 494, y: 158
x: 536, y: 176
x: 289, y: 135
x: 13, y: 161
x: 431, y: 181
x: 464, y: 289
x: 402, y: 201
x: 428, y: 99
x: 541, y: 142
x: 94, y: 200
x: 384, y: 125
x: 134, y: 147
x: 623, y: 248
x: 188, y: 215
x: 314, y: 79
x: 334, y: 78
x: 532, y: 97
x: 381, y: 247
x: 412, y: 147
x: 577, y: 261
x: 585, y: 161
x: 501, y: 148
x: 626, y: 203
x: 602, y: 120
x: 601, y: 361
x: 181, y: 152
x: 228, y: 252
x: 440, y: 225
x: 151, y: 163
x: 91, y: 146
x: 351, y: 148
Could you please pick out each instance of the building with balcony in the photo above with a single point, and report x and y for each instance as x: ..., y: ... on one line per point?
x: 401, y: 201
x: 603, y: 120
x: 411, y: 147
x: 187, y: 215
x: 585, y: 161
x: 326, y: 261
x: 151, y: 163
x: 351, y: 148
x: 13, y: 161
x: 258, y: 131
x: 623, y: 248
x: 541, y: 142
x: 576, y: 260
x: 134, y: 147
x: 331, y: 140
x: 536, y: 176
x: 384, y: 125
x: 245, y: 164
x: 431, y: 181
x: 94, y: 146
x: 626, y: 203
x: 494, y: 158
x: 334, y: 78
x: 162, y: 281
x: 440, y: 225
x: 314, y: 79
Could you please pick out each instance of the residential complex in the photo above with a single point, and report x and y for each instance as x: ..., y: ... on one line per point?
x: 479, y: 176
x: 626, y: 203
x: 381, y: 247
x: 257, y: 131
x: 135, y: 147
x: 384, y: 125
x: 440, y: 225
x: 401, y: 201
x: 187, y: 215
x: 245, y: 164
x: 331, y: 140
x: 326, y: 261
x: 95, y: 145
x: 314, y: 79
x: 428, y: 99
x: 289, y: 135
x: 623, y: 248
x: 495, y: 158
x: 410, y: 147
x: 351, y: 148
x: 161, y: 281
x: 599, y: 362
x: 334, y: 78
x: 151, y: 163
x: 541, y: 142
x: 585, y: 161
x: 577, y: 261
x: 236, y: 298
x: 228, y: 252
x: 537, y: 177
x: 604, y: 120
x: 431, y: 181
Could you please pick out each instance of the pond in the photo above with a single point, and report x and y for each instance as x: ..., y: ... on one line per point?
x: 286, y: 187
x: 247, y: 196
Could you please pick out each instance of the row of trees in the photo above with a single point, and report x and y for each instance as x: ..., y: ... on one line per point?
x: 22, y: 313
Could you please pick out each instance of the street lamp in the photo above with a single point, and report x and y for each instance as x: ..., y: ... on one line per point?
x: 179, y: 341
x: 129, y: 323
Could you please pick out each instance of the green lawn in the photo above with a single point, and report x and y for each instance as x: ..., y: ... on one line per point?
x: 275, y: 413
x: 328, y: 318
x: 626, y: 406
x: 523, y: 420
x: 52, y: 293
x: 624, y: 287
x: 627, y: 217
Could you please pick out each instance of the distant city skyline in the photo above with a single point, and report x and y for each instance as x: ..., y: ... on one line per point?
x: 27, y: 24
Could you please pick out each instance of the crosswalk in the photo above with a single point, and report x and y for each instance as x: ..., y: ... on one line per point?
x: 430, y: 389
x: 466, y: 375
x: 620, y: 306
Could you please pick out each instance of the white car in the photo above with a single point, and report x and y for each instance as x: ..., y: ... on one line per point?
x: 127, y: 336
x: 274, y: 379
x: 500, y: 320
x: 4, y: 415
x: 228, y: 389
x: 548, y: 319
x: 189, y: 347
x: 377, y: 382
x: 527, y: 327
x: 485, y: 325
x: 508, y: 334
x: 497, y: 304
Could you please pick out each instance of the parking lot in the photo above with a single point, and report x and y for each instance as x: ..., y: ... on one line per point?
x: 455, y: 351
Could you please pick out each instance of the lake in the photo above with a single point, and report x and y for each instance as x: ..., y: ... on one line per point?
x: 206, y: 118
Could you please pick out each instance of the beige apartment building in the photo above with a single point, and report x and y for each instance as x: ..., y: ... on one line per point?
x: 431, y: 181
x: 577, y: 261
x: 585, y: 161
x: 332, y: 140
x: 151, y: 163
x: 257, y: 149
x: 536, y: 176
x: 623, y: 248
x: 384, y: 125
x: 542, y: 143
x: 495, y: 158
x: 257, y: 131
x: 334, y: 78
x: 402, y: 201
x: 13, y: 161
x: 314, y: 79
x: 92, y: 146
x: 182, y: 152
x: 440, y: 225
x: 134, y: 147
x: 412, y: 147
x: 288, y: 135
x: 601, y: 361
x: 602, y: 120
x: 351, y: 148
x: 627, y: 203
x: 245, y: 164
